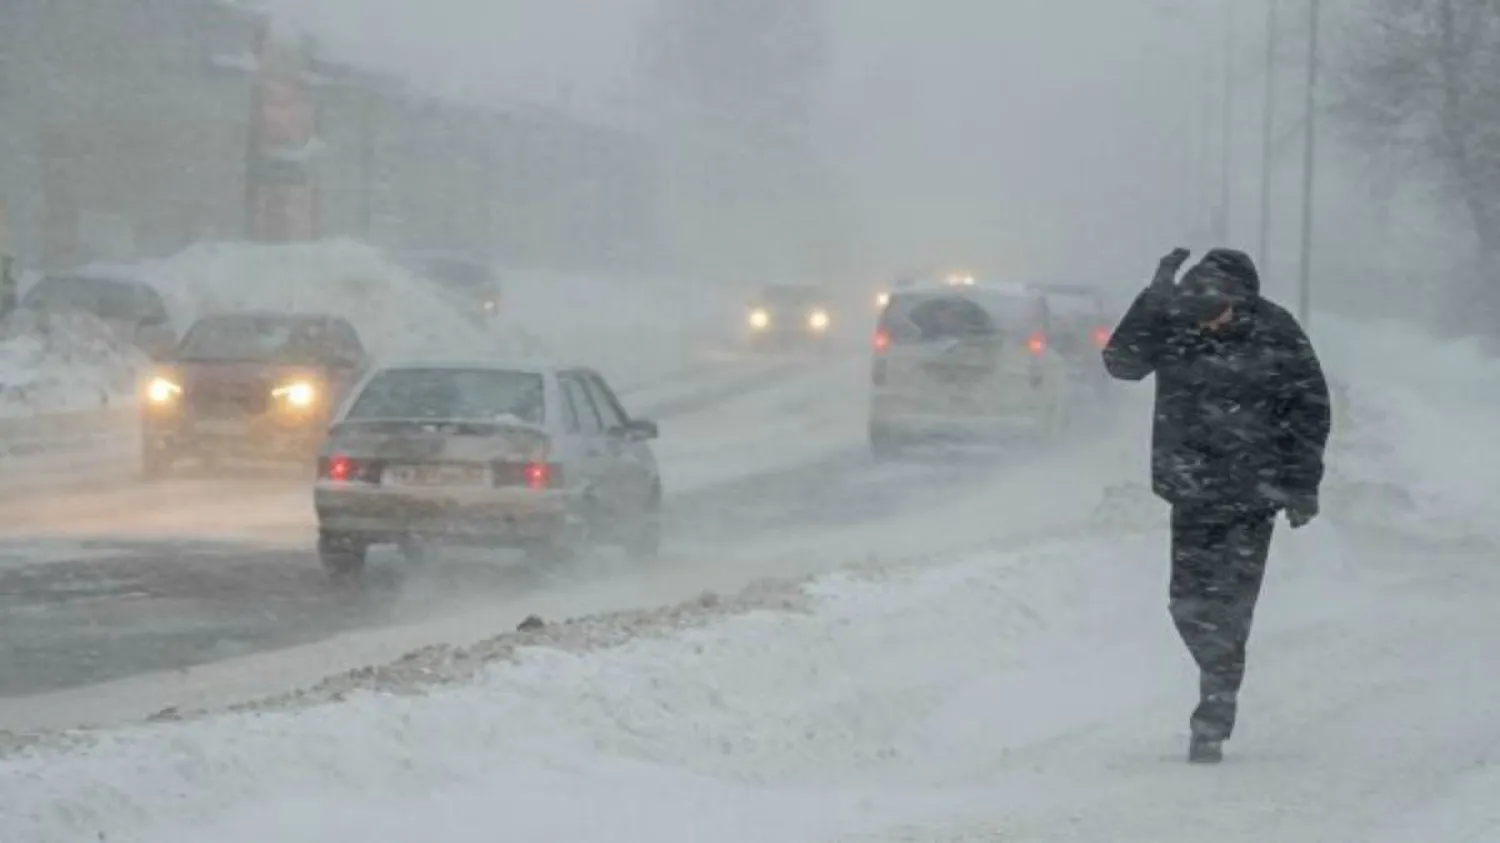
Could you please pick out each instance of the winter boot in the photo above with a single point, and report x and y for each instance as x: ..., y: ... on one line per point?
x: 1205, y: 749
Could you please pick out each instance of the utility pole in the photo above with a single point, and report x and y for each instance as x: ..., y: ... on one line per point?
x: 1309, y: 163
x: 1268, y: 129
x: 1226, y: 128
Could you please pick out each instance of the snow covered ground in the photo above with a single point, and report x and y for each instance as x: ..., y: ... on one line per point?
x: 998, y: 668
x: 1036, y: 694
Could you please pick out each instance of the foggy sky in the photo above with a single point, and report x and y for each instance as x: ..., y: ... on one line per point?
x: 1075, y: 139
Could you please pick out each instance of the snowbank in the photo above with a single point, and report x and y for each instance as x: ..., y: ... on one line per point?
x: 1417, y: 441
x: 64, y: 362
x: 396, y: 313
x: 786, y: 713
x: 634, y: 330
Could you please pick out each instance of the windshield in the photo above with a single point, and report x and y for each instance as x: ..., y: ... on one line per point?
x: 102, y: 297
x: 452, y: 395
x: 268, y: 339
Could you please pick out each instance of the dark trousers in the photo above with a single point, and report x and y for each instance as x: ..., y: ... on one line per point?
x: 1218, y: 564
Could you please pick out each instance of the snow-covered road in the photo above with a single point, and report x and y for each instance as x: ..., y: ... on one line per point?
x: 935, y: 651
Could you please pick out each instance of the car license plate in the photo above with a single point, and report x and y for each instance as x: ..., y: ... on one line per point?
x: 436, y: 475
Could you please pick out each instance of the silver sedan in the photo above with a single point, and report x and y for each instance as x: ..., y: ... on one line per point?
x: 544, y: 459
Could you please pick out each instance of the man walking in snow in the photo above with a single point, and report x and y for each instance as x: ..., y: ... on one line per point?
x: 1241, y: 421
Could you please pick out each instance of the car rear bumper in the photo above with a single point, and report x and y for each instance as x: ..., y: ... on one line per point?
x: 492, y: 517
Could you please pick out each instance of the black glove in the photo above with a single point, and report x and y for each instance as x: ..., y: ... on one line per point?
x: 1300, y: 510
x: 1166, y: 270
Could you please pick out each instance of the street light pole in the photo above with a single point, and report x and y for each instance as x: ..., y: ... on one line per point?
x: 1226, y: 128
x: 1309, y: 156
x: 1268, y: 129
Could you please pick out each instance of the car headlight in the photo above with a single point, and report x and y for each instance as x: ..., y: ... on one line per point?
x: 818, y: 320
x: 882, y: 299
x: 297, y: 394
x: 760, y: 319
x: 162, y: 391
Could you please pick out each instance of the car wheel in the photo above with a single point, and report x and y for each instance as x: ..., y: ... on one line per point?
x: 643, y: 538
x: 342, y: 557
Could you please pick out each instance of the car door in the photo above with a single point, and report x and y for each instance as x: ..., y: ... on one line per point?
x: 632, y: 466
x: 589, y: 456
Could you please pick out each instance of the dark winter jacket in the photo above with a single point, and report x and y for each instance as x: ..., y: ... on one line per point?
x: 1242, y: 414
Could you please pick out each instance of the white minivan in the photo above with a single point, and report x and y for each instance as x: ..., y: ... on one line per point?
x: 965, y: 363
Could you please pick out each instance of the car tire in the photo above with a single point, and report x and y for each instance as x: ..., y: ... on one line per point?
x: 643, y: 537
x: 342, y: 557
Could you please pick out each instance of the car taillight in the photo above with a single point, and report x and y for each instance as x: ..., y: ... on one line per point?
x: 882, y: 340
x: 1101, y: 337
x: 338, y: 468
x: 1036, y: 343
x: 532, y: 475
x: 538, y: 475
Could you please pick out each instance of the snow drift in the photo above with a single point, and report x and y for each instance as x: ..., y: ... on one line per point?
x: 791, y: 712
x: 61, y: 362
x: 396, y: 313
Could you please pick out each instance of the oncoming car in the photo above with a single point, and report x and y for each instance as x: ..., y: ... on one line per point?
x: 255, y: 386
x: 789, y: 314
x: 966, y: 364
x: 540, y: 459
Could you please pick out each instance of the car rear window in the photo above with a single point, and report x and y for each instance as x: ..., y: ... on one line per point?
x: 931, y: 317
x: 452, y: 395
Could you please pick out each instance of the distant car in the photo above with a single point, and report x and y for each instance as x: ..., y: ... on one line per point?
x: 257, y: 386
x: 964, y: 363
x: 1081, y: 326
x: 470, y: 279
x: 787, y: 315
x: 883, y: 296
x: 541, y: 459
x: 132, y: 310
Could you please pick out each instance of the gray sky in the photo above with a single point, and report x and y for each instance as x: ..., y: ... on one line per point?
x: 1039, y: 135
